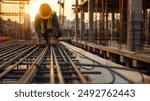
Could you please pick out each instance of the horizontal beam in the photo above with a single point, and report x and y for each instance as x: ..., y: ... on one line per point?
x: 15, y: 0
x: 13, y: 14
x: 131, y: 55
x: 112, y: 5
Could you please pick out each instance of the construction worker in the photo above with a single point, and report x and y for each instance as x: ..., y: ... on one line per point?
x: 46, y: 22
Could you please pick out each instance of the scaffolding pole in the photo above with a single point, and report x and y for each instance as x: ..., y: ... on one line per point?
x: 90, y: 24
x: 76, y: 21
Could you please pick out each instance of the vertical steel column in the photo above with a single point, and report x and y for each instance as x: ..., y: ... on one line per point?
x: 148, y: 36
x: 103, y: 18
x: 95, y: 25
x: 147, y: 26
x: 134, y: 41
x: 24, y: 18
x: 76, y: 23
x: 20, y: 17
x: 112, y: 25
x: 61, y: 12
x: 99, y: 35
x: 124, y: 22
x: 145, y: 23
x: 63, y: 20
x: 106, y: 21
x: 81, y: 22
x: 120, y: 23
x: 90, y: 24
x: 59, y: 2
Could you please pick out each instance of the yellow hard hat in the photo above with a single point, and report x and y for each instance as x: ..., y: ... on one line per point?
x: 45, y: 11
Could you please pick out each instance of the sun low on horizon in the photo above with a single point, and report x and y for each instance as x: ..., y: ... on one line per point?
x: 35, y: 4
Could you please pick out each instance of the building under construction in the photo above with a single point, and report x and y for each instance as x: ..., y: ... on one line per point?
x: 112, y: 46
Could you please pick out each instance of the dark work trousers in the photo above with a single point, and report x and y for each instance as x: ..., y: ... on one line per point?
x: 47, y: 32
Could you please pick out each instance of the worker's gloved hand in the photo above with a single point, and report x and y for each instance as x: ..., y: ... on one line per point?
x: 38, y: 30
x: 39, y: 40
x: 59, y: 33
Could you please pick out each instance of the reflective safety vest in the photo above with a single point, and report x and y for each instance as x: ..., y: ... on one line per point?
x: 49, y: 23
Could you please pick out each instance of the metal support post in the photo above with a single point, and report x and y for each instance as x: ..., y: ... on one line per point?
x: 82, y: 23
x: 112, y: 25
x: 76, y: 23
x: 134, y: 37
x: 95, y: 23
x: 90, y: 24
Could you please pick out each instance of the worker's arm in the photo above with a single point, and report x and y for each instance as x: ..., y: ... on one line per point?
x: 56, y: 27
x: 37, y: 24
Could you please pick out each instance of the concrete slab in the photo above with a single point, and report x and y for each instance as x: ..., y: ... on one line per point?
x: 106, y: 76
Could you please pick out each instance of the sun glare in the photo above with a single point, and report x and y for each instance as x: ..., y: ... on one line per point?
x: 34, y: 7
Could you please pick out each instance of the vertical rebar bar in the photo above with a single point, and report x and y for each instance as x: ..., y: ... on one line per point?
x: 52, y: 75
x: 59, y: 73
x: 80, y: 75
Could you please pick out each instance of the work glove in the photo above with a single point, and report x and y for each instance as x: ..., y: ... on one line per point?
x: 59, y: 34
